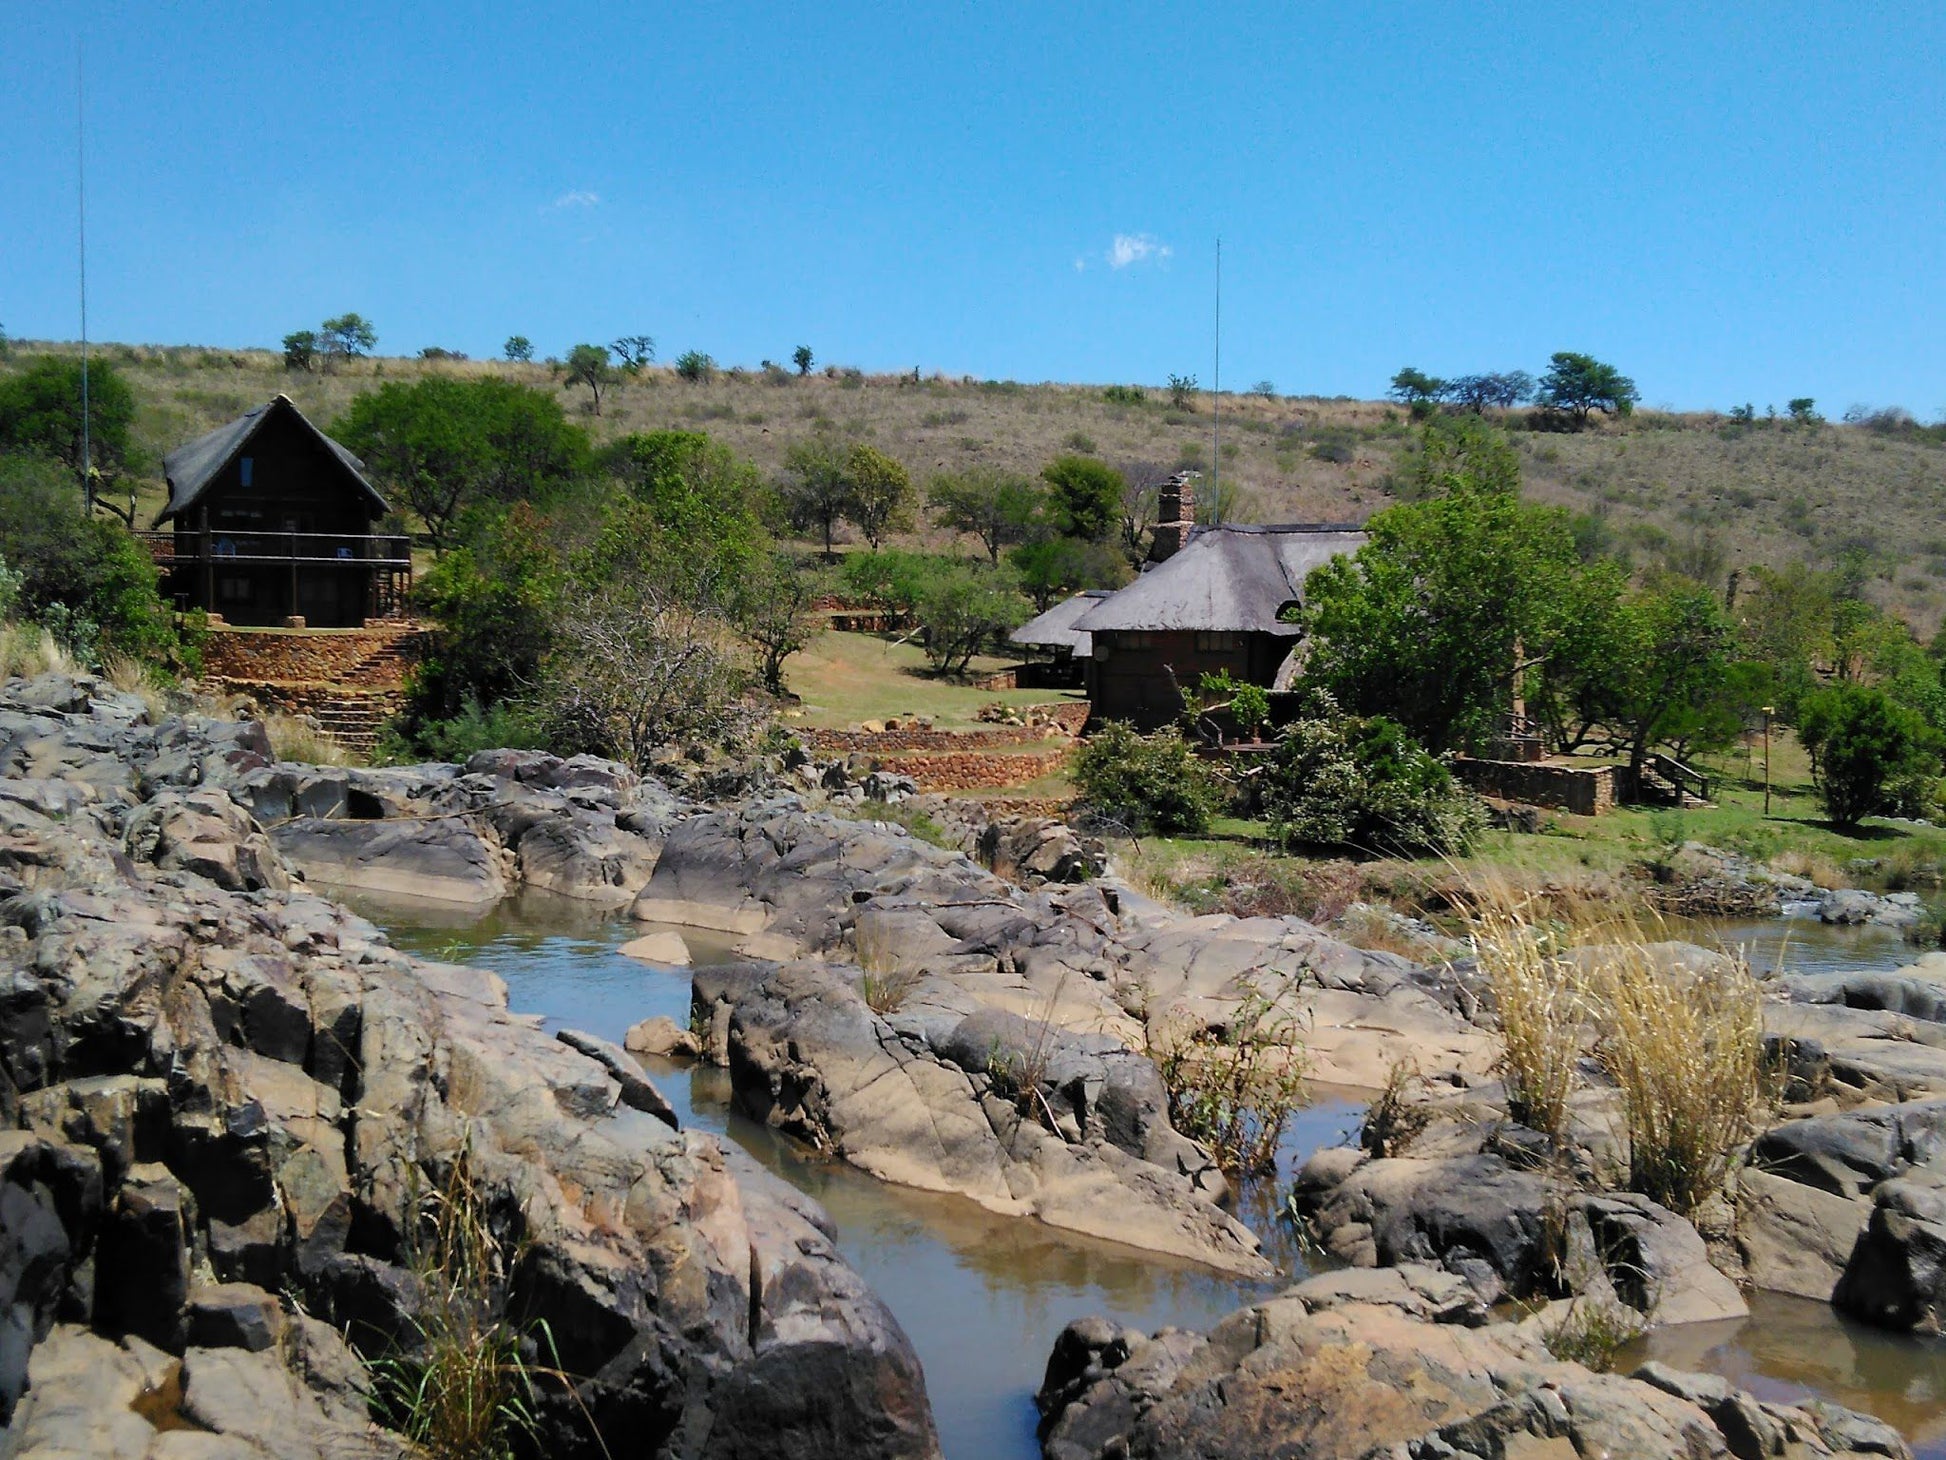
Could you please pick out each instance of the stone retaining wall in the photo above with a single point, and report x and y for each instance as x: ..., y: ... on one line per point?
x: 895, y: 742
x: 1581, y: 790
x: 971, y: 770
x: 368, y: 658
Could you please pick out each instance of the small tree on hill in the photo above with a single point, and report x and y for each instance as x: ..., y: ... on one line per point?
x: 801, y: 358
x: 960, y: 609
x: 1804, y: 411
x: 40, y: 412
x: 301, y: 350
x: 1181, y: 388
x: 1413, y: 387
x: 634, y: 351
x: 589, y: 365
x: 347, y: 337
x: 519, y: 349
x: 1577, y: 385
x: 772, y: 608
x: 696, y: 367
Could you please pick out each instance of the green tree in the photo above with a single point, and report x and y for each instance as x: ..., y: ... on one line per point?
x: 1053, y: 568
x: 816, y: 489
x: 444, y: 445
x: 301, y: 350
x: 891, y: 580
x: 518, y: 349
x: 1413, y: 387
x: 774, y: 609
x: 1424, y: 623
x: 801, y: 358
x: 1860, y: 742
x: 493, y: 603
x: 1804, y: 411
x: 635, y: 352
x: 960, y: 609
x: 1086, y: 496
x: 878, y: 493
x: 1181, y: 389
x: 589, y: 365
x: 693, y: 520
x: 79, y: 572
x: 996, y: 506
x: 40, y: 412
x: 1579, y: 384
x: 696, y: 367
x: 1672, y: 655
x: 347, y: 336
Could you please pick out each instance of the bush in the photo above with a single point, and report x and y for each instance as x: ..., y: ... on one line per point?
x: 1366, y: 785
x: 89, y: 583
x: 1862, y: 745
x: 1234, y: 1086
x: 695, y: 367
x: 892, y: 579
x: 1149, y: 783
x: 1124, y: 395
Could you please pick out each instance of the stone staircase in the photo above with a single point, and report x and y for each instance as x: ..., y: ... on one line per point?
x: 350, y: 686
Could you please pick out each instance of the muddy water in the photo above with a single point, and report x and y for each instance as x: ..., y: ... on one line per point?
x: 983, y: 1297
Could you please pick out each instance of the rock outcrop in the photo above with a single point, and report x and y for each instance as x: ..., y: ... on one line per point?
x: 943, y: 1028
x: 1404, y: 1364
x: 213, y: 1094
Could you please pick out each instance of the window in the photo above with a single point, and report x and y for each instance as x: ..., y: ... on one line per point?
x: 234, y: 589
x: 244, y: 470
x: 1217, y: 643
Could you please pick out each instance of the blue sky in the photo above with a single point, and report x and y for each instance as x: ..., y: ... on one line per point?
x: 1730, y: 202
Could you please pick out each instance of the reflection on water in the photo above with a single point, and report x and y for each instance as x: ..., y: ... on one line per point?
x: 1791, y: 1349
x: 983, y: 1297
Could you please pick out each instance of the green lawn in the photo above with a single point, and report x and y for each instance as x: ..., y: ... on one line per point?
x: 1591, y: 852
x: 844, y: 679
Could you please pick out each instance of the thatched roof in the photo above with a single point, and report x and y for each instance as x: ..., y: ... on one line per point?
x: 1055, y: 629
x: 1230, y: 579
x: 193, y: 468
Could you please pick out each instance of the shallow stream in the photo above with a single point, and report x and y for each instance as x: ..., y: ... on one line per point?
x: 983, y: 1297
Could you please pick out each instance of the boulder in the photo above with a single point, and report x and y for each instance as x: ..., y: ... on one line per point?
x: 663, y: 1037
x: 1897, y: 1274
x: 207, y: 833
x: 444, y: 859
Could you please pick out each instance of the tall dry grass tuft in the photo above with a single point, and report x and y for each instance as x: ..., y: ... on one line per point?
x: 299, y: 740
x: 132, y: 677
x: 1542, y: 1005
x: 28, y: 649
x: 883, y: 983
x: 1682, y: 1041
x: 1685, y: 1049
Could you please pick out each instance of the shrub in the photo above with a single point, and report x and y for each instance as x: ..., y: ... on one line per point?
x: 1149, y: 783
x: 1367, y: 785
x: 891, y: 579
x: 695, y: 367
x: 1234, y: 1086
x: 1862, y: 744
x: 1124, y: 395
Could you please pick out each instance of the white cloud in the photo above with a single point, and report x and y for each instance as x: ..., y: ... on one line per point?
x: 1080, y: 264
x: 1136, y: 248
x: 576, y: 198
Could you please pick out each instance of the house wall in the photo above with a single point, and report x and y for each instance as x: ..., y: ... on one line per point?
x: 1129, y: 675
x: 1584, y: 791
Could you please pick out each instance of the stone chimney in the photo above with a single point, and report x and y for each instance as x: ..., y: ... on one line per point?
x: 1175, y: 515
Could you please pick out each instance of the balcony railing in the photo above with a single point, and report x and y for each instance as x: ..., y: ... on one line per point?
x: 310, y: 549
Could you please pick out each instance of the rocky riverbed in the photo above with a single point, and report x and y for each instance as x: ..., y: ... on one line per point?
x: 222, y: 1087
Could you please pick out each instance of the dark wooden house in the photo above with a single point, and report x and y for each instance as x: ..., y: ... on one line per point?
x: 271, y: 523
x: 1211, y: 600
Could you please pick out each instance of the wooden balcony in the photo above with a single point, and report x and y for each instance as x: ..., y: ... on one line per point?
x: 190, y: 558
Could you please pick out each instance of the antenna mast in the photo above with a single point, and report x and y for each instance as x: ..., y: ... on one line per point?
x: 81, y: 208
x: 1216, y: 391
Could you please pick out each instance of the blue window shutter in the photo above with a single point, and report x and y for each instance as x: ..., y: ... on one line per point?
x: 246, y: 464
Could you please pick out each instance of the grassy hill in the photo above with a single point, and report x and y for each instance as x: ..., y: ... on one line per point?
x: 1714, y: 493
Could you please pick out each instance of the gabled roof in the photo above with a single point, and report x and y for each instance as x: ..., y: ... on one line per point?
x: 192, y: 468
x: 1055, y: 629
x: 1229, y: 579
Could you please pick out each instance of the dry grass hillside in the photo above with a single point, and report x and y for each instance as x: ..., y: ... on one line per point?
x: 1713, y: 492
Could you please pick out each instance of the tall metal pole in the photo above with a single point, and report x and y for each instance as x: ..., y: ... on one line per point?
x: 1216, y: 392
x: 81, y: 211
